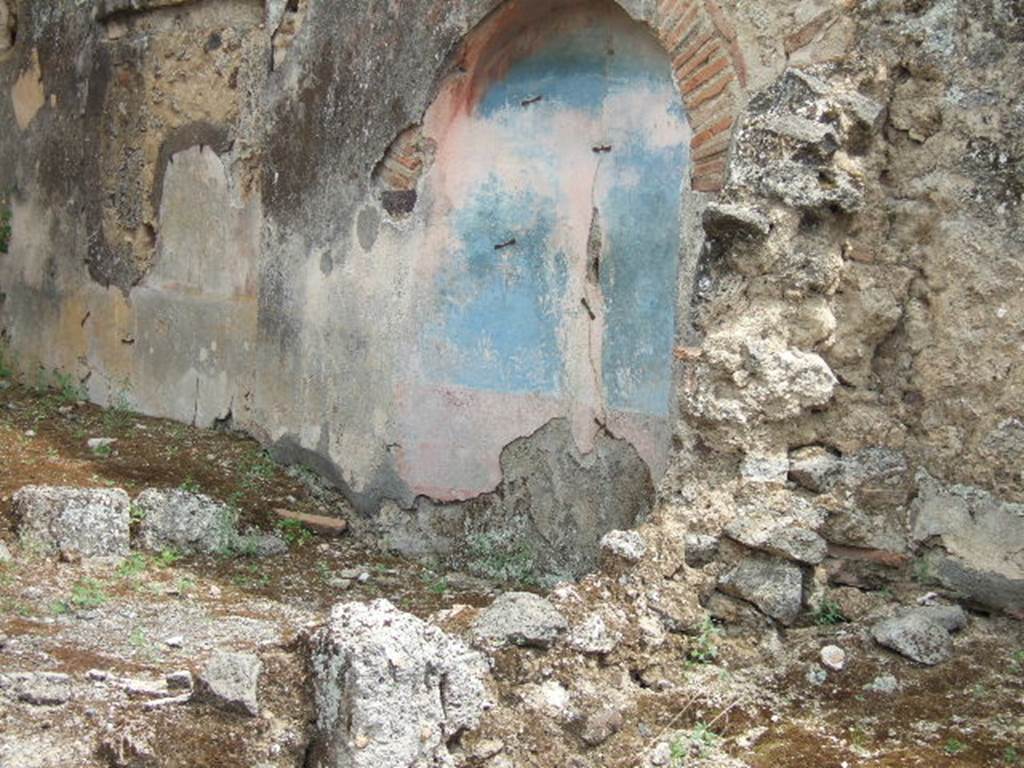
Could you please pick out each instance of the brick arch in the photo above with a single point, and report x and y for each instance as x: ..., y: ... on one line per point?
x: 711, y: 75
x: 709, y: 71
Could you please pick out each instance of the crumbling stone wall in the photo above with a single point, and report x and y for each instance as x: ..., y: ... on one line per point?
x: 851, y: 329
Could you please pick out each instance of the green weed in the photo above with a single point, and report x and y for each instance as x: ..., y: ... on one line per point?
x: 167, y: 558
x: 118, y: 414
x: 502, y: 557
x: 87, y: 594
x: 255, y: 468
x: 954, y: 746
x: 6, y: 362
x: 132, y: 566
x: 295, y: 532
x: 829, y: 614
x: 705, y: 646
x: 67, y: 390
x: 695, y: 743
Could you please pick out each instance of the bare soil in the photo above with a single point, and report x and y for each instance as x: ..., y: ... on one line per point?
x: 90, y: 620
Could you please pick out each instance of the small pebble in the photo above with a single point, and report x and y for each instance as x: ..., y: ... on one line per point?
x: 833, y: 657
x: 175, y: 642
x: 816, y: 675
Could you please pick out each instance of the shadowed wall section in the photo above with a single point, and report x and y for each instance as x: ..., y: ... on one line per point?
x: 546, y: 263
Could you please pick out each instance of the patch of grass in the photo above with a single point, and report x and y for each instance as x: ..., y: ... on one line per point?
x: 68, y: 391
x: 1017, y: 660
x: 255, y: 469
x: 704, y: 649
x: 502, y: 557
x: 295, y: 532
x: 6, y: 362
x: 436, y: 583
x: 190, y: 485
x: 953, y: 746
x: 695, y: 743
x: 252, y: 577
x: 167, y: 558
x: 136, y: 513
x: 185, y: 585
x: 829, y: 614
x: 87, y: 594
x: 132, y: 566
x: 118, y: 414
x: 1011, y: 756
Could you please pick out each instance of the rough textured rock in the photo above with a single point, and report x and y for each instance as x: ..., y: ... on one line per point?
x: 231, y: 681
x: 628, y: 546
x: 601, y: 726
x: 774, y: 586
x: 784, y: 526
x: 915, y: 636
x: 700, y: 550
x: 519, y: 618
x: 37, y: 688
x: 593, y: 635
x: 981, y: 540
x: 391, y: 689
x: 74, y: 521
x: 188, y: 522
x: 5, y: 553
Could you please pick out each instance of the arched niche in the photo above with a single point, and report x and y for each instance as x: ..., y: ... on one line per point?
x: 544, y: 246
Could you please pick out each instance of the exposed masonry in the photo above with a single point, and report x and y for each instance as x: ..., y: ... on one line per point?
x: 711, y: 74
x: 399, y: 171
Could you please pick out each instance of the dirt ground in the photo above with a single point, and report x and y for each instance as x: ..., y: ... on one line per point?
x: 112, y: 627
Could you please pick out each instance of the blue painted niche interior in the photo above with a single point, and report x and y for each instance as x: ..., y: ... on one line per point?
x: 501, y: 295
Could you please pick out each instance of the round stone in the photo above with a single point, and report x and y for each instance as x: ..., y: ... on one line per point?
x: 833, y: 657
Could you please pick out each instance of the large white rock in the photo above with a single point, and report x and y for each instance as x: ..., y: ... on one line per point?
x: 189, y: 522
x: 91, y: 522
x: 391, y: 689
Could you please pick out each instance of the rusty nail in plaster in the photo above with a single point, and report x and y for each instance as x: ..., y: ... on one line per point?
x: 85, y: 319
x: 586, y: 306
x: 601, y: 149
x: 506, y: 244
x: 531, y: 100
x: 128, y: 340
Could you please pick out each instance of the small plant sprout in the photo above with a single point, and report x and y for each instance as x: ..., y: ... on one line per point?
x: 295, y: 532
x: 704, y: 649
x: 167, y: 558
x: 692, y: 744
x: 829, y: 614
x: 190, y: 485
x: 132, y: 566
x: 87, y: 594
x: 954, y: 746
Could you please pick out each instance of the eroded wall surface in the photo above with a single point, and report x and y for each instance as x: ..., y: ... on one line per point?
x: 224, y: 209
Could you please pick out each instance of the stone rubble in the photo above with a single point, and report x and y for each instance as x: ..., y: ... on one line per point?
x: 390, y: 689
x: 85, y: 522
x: 519, y: 618
x: 231, y: 682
